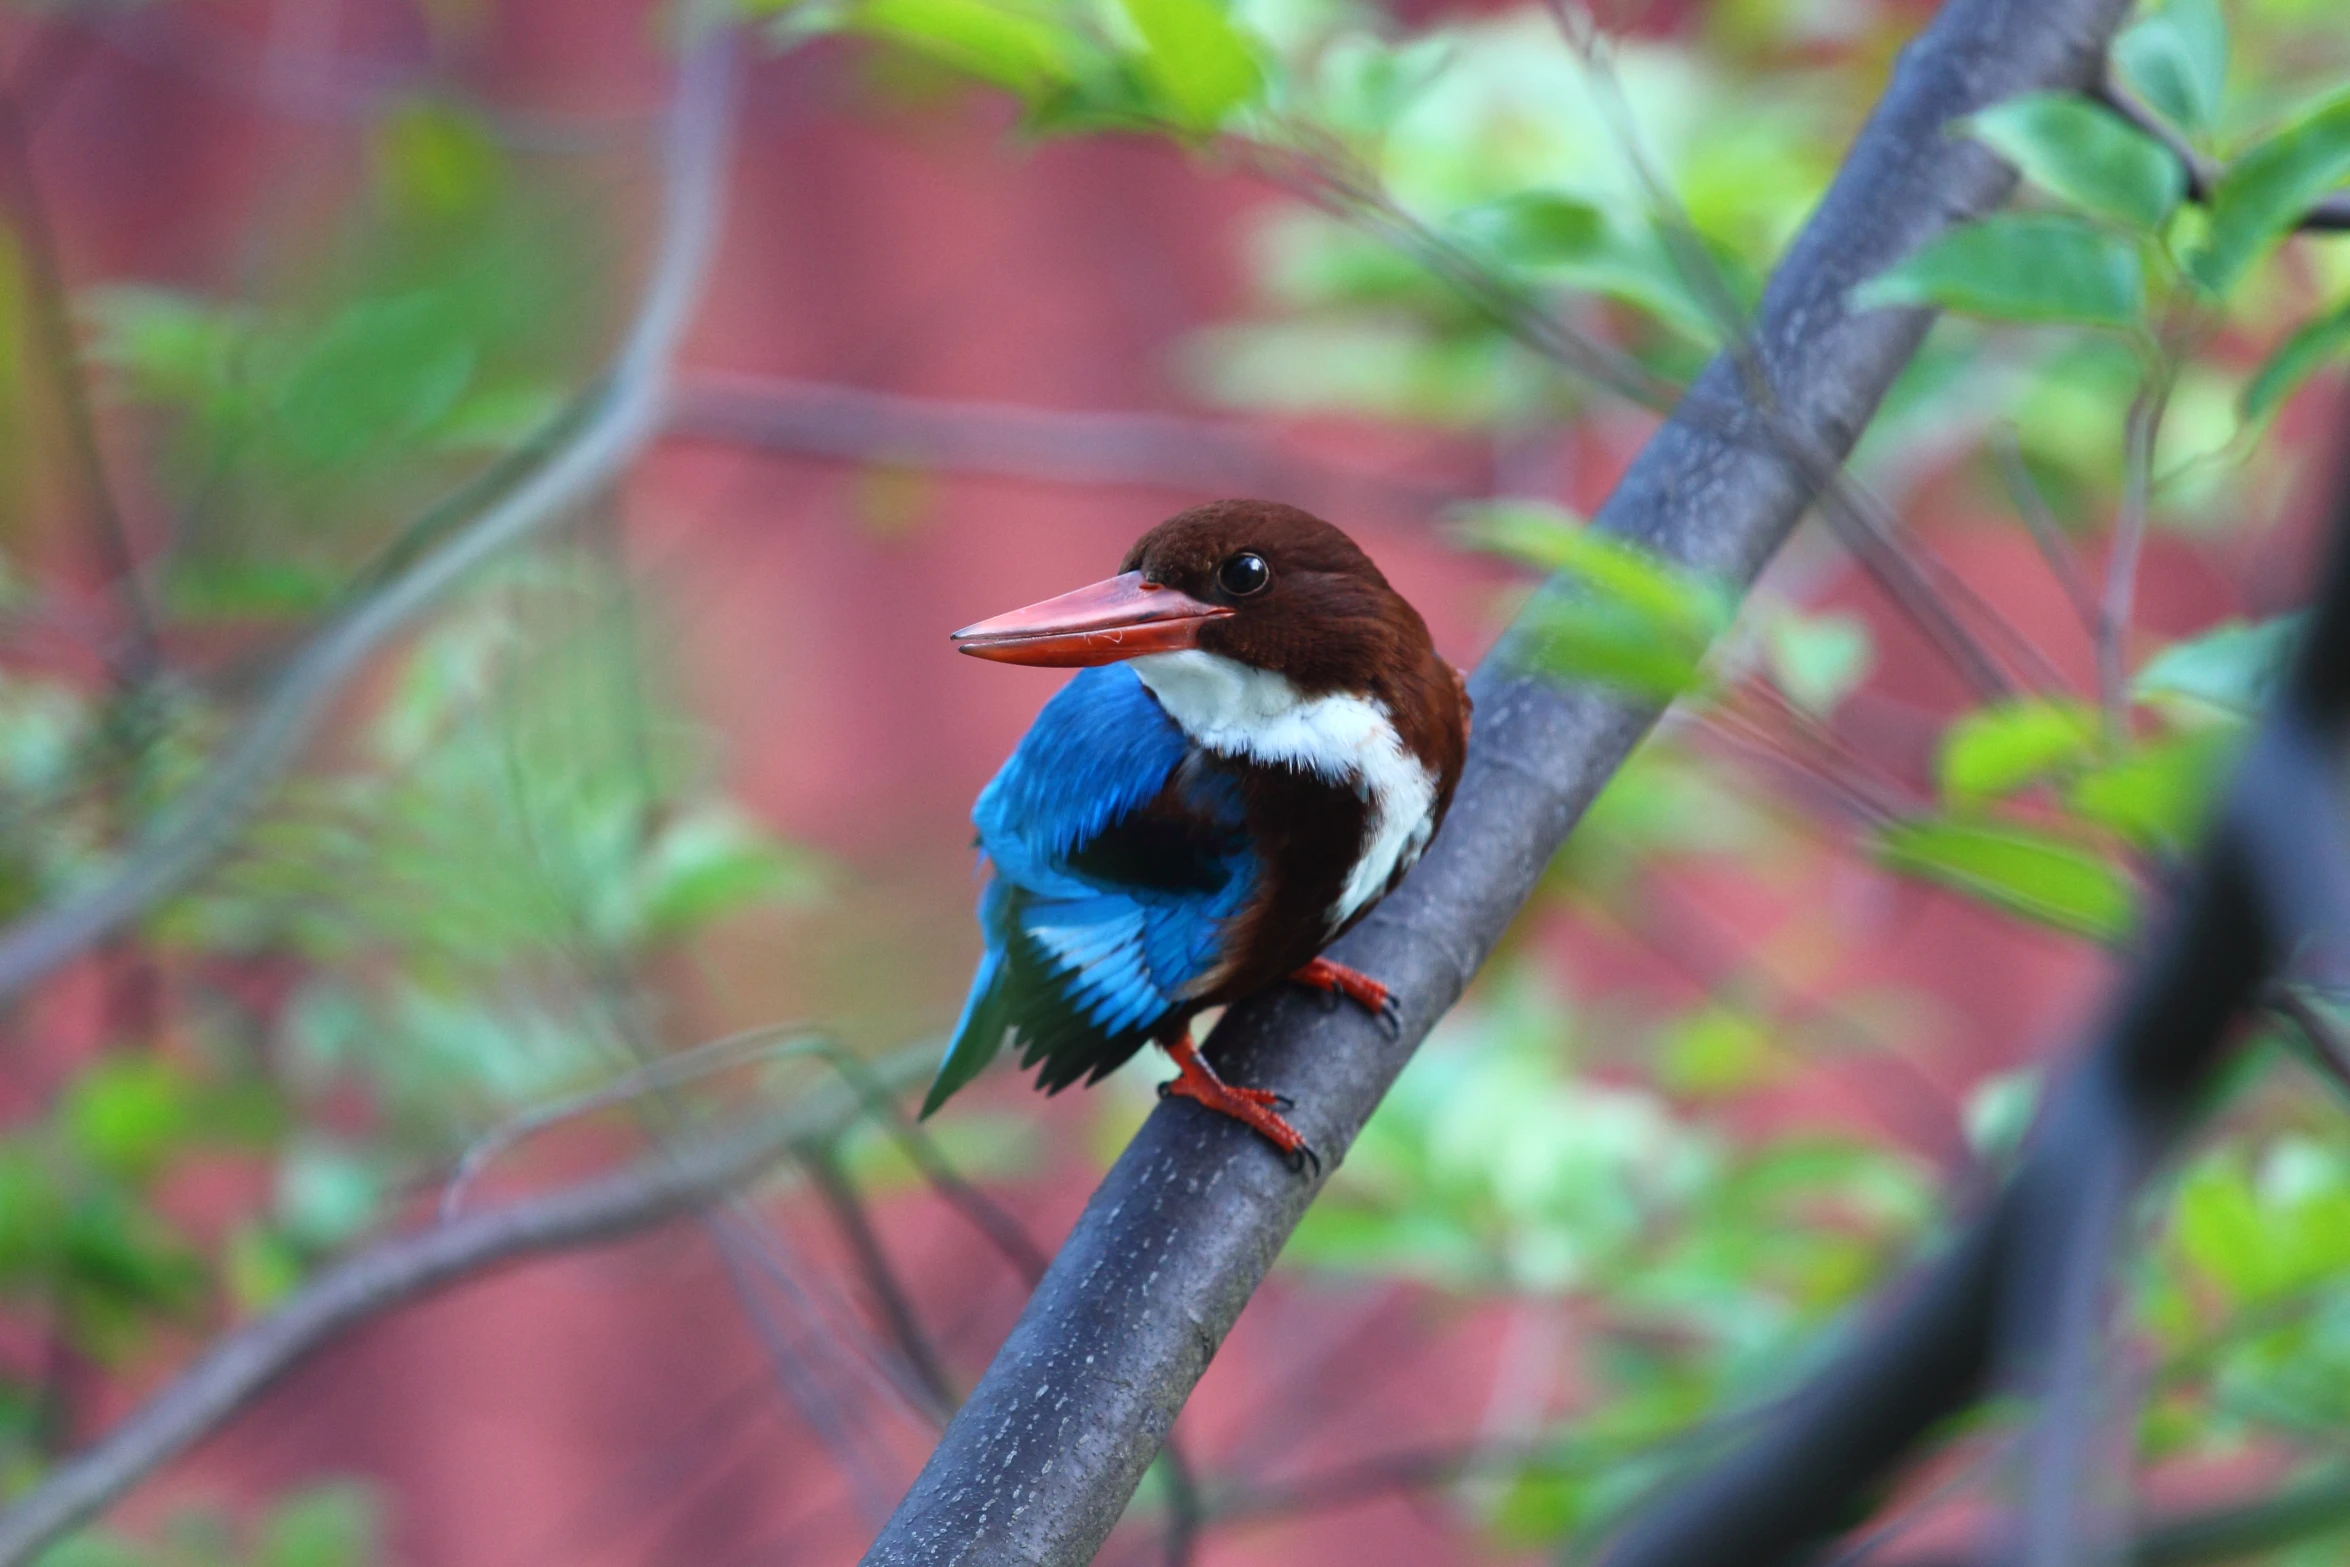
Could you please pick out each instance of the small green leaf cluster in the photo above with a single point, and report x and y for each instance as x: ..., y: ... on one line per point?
x: 1613, y: 613
x: 1705, y: 1269
x: 332, y: 1525
x: 2046, y: 809
x: 302, y: 433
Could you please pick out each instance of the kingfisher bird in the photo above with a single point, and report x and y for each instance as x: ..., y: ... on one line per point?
x: 1261, y: 741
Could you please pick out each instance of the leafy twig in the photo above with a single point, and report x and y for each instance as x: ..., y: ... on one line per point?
x: 2329, y: 215
x: 205, y: 821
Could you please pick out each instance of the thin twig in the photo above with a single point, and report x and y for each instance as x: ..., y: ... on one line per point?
x: 207, y: 819
x: 983, y: 1213
x: 1054, y: 446
x: 890, y: 1297
x: 2129, y: 541
x: 2064, y: 564
x: 2330, y: 214
x: 656, y: 1076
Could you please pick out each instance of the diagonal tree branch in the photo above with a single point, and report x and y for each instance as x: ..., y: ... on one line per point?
x: 1042, y: 1459
x: 238, y: 1367
x: 625, y: 414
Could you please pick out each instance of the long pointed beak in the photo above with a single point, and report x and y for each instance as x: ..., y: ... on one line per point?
x: 1100, y: 624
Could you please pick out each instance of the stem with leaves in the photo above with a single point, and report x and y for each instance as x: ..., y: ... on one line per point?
x: 204, y: 822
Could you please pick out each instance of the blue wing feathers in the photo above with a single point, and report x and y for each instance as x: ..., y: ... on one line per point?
x: 1110, y: 892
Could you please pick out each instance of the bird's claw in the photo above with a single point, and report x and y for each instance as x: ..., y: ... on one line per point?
x: 1390, y: 1016
x: 1300, y: 1157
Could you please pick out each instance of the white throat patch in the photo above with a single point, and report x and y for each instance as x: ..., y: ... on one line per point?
x: 1229, y: 708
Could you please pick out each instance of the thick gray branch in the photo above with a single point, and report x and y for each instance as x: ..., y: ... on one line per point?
x: 204, y: 822
x: 238, y: 1368
x: 1042, y: 1460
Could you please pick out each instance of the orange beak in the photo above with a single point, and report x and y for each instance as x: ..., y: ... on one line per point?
x: 1100, y: 624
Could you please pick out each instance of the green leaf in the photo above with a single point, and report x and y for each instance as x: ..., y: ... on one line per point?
x: 383, y: 371
x: 2177, y: 59
x: 2087, y: 155
x: 1637, y: 620
x: 326, y: 1194
x: 32, y: 1215
x: 1013, y: 48
x: 119, y: 1266
x: 171, y: 347
x: 2222, y: 1230
x: 1819, y: 660
x: 1538, y: 228
x: 710, y: 863
x: 1574, y: 244
x: 2157, y: 795
x: 1713, y: 1050
x: 2264, y: 192
x: 1678, y: 601
x: 329, y: 1526
x: 2021, y: 267
x: 260, y: 1268
x: 129, y: 1113
x: 1998, y: 749
x: 2301, y: 356
x: 248, y: 589
x: 94, y: 1548
x: 2044, y: 878
x: 437, y: 162
x: 2233, y: 666
x: 1199, y: 66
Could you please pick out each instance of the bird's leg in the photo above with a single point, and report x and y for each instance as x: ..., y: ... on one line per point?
x: 1336, y: 979
x: 1255, y: 1108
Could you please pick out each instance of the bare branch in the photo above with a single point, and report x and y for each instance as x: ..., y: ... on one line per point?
x: 657, y: 1075
x: 200, y: 825
x: 1189, y: 1220
x: 2129, y: 542
x: 890, y: 1298
x: 1008, y: 440
x: 2047, y: 533
x: 237, y: 1368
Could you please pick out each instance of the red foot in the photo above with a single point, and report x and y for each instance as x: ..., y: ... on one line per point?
x: 1358, y: 987
x: 1254, y: 1108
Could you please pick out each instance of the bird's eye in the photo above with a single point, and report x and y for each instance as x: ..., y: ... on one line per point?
x: 1243, y: 574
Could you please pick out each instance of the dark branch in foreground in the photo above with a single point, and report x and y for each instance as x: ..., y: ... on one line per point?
x: 204, y: 821
x: 1043, y: 1458
x: 2019, y: 1302
x: 240, y: 1366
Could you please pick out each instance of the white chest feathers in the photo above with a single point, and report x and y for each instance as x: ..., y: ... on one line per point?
x: 1229, y: 708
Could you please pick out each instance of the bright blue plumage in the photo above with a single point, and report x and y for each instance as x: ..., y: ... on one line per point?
x: 1112, y: 890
